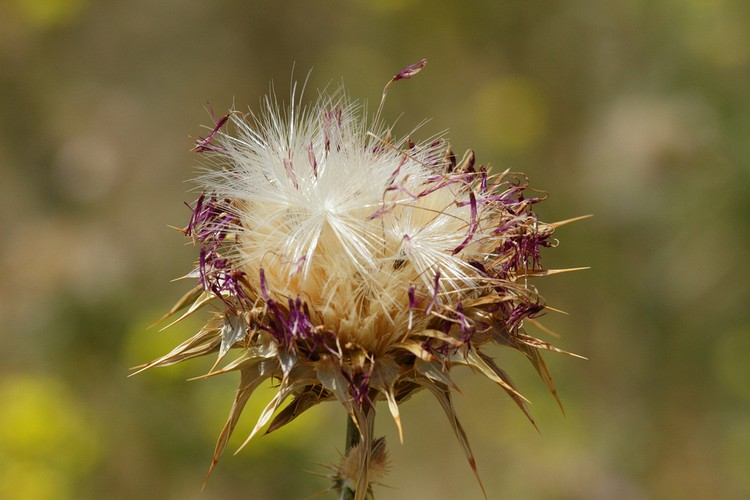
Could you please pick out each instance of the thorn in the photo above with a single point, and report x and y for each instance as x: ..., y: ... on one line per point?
x: 543, y: 328
x: 551, y: 272
x: 550, y: 308
x: 569, y: 221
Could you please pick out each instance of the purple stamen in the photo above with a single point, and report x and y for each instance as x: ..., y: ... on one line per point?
x: 204, y: 143
x: 410, y: 70
x: 312, y: 159
x: 399, y: 187
x: 483, y: 173
x: 263, y: 290
x: 519, y: 313
x: 467, y: 329
x: 385, y: 209
x: 473, y: 224
x: 359, y: 387
x: 292, y: 328
x: 412, y: 298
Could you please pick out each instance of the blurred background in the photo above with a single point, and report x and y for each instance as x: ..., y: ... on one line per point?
x: 637, y: 112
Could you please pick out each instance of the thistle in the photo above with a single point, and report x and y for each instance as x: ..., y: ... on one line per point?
x: 347, y: 265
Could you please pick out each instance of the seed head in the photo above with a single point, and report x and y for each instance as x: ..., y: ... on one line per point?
x: 351, y: 266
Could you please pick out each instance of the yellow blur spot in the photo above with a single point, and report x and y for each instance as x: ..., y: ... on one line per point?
x: 511, y: 113
x: 32, y: 481
x: 48, y: 13
x: 46, y: 440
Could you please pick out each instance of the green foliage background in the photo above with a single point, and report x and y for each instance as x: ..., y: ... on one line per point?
x: 637, y: 112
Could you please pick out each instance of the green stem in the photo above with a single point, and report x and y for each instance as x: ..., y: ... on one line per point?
x: 353, y: 438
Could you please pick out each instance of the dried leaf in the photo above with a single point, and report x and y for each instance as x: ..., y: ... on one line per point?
x: 393, y: 408
x: 383, y: 378
x: 285, y: 390
x: 248, y: 358
x: 250, y: 378
x: 437, y: 334
x: 443, y: 395
x: 540, y: 344
x: 308, y: 396
x: 541, y: 367
x: 234, y: 330
x: 330, y: 375
x: 287, y: 360
x: 204, y: 342
x: 472, y: 359
x: 416, y: 349
x: 514, y: 394
x: 405, y: 388
x: 203, y: 299
x: 187, y: 299
x: 486, y: 299
x: 434, y: 372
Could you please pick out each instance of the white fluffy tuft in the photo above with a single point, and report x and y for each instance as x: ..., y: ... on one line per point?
x: 330, y: 212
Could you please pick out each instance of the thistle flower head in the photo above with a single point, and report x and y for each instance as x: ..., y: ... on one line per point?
x: 348, y: 265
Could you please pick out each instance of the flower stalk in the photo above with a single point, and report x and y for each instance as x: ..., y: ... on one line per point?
x: 353, y: 438
x: 358, y: 450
